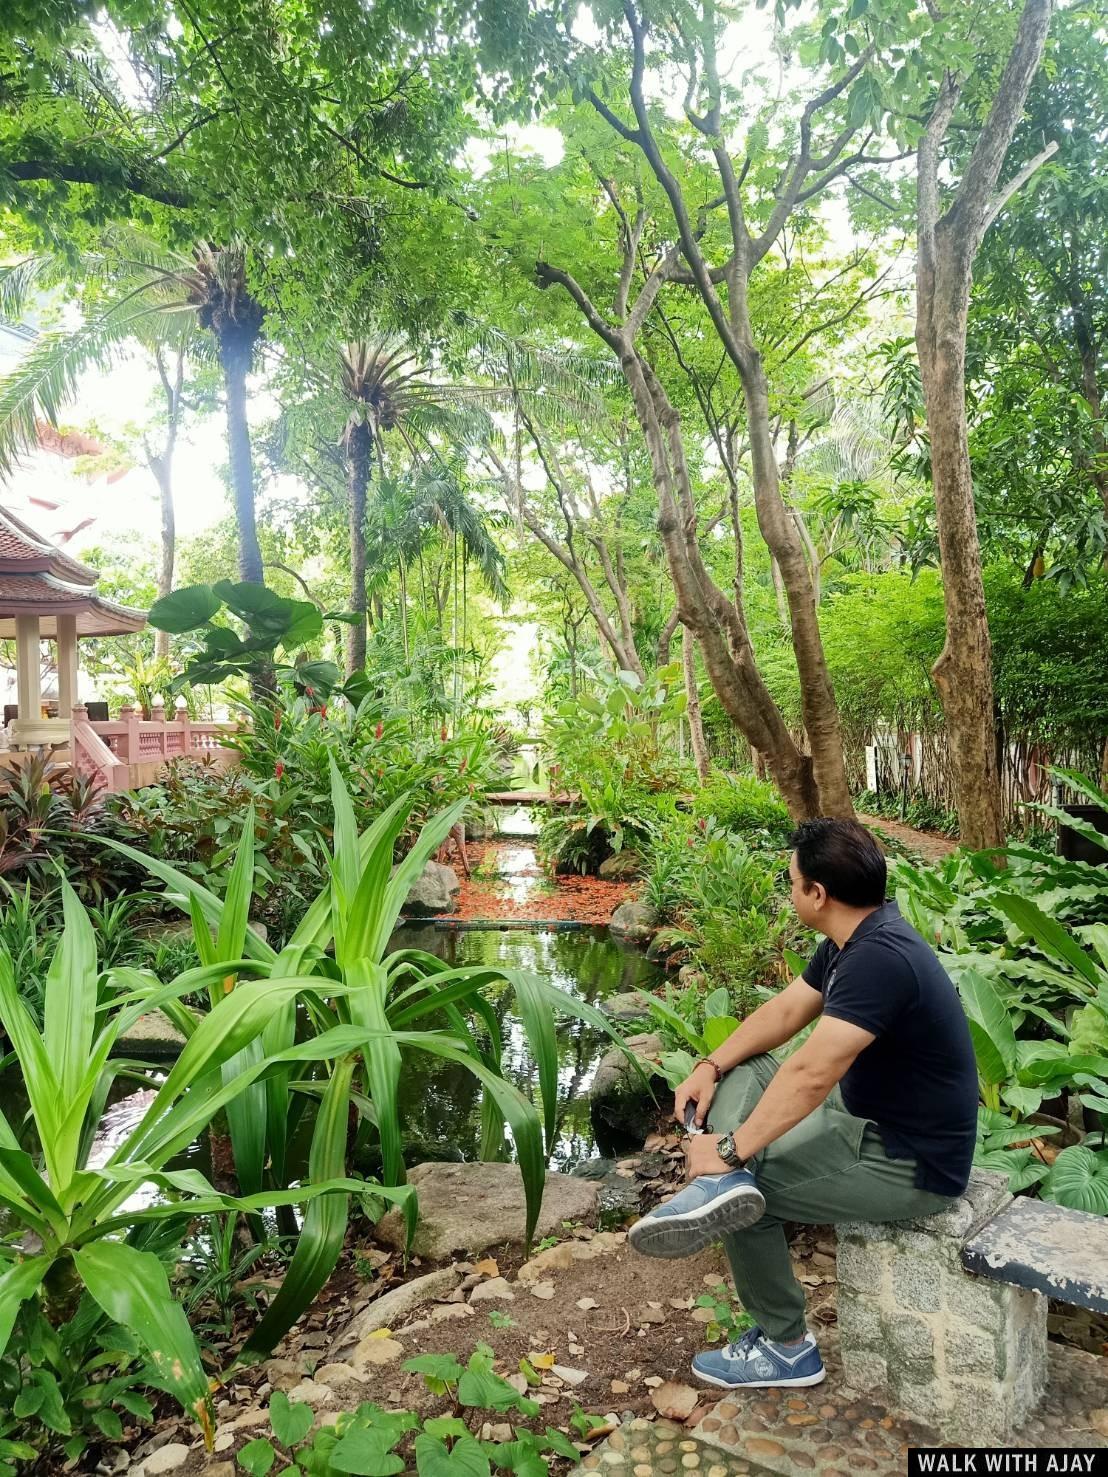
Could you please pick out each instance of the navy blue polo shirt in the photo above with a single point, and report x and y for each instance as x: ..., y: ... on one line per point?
x: 918, y: 1080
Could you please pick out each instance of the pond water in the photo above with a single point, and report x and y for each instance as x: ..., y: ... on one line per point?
x: 440, y: 1101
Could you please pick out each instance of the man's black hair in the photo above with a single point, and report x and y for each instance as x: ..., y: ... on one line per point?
x: 844, y: 857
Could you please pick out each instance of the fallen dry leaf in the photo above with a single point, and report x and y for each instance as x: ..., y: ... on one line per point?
x: 489, y: 1267
x: 542, y: 1361
x: 544, y: 1290
x: 674, y: 1402
x: 586, y: 1303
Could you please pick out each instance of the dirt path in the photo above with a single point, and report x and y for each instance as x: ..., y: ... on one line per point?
x: 926, y: 844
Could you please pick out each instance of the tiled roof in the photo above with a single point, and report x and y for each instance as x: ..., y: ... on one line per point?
x: 21, y: 545
x: 47, y: 597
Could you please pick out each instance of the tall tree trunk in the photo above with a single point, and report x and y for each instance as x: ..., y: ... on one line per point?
x: 692, y: 693
x: 947, y: 245
x: 167, y: 557
x: 161, y: 464
x: 358, y: 445
x: 236, y: 353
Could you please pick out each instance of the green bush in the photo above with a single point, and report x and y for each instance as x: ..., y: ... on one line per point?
x: 745, y: 804
x: 727, y: 908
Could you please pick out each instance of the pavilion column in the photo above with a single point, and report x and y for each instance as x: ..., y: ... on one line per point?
x: 28, y: 668
x: 67, y: 664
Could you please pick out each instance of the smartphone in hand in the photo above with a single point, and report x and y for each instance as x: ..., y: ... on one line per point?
x: 691, y: 1125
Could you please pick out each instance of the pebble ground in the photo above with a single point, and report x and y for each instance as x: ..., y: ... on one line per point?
x: 647, y: 1448
x: 824, y: 1430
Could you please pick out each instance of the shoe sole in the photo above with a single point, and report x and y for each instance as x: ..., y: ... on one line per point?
x: 793, y: 1384
x: 673, y: 1236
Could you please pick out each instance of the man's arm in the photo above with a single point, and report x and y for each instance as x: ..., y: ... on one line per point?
x: 801, y: 1083
x: 771, y: 1025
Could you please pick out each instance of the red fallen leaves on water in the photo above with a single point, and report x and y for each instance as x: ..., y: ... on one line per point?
x: 559, y: 899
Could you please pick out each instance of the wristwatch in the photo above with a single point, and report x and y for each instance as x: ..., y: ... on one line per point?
x: 725, y: 1148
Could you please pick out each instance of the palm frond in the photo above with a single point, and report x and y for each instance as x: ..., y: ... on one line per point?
x: 47, y: 377
x: 18, y: 281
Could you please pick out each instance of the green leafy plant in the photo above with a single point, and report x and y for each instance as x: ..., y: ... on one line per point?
x: 1027, y: 946
x: 69, y: 1386
x: 728, y: 1321
x: 273, y: 623
x: 376, y: 1442
x: 89, y: 1259
x: 395, y: 1004
x: 749, y: 806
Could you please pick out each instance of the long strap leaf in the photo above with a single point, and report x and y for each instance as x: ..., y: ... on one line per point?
x: 133, y: 1289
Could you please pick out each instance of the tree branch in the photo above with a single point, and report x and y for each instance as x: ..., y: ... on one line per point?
x: 1005, y: 193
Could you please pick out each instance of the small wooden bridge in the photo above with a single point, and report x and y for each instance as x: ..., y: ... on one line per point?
x: 530, y: 797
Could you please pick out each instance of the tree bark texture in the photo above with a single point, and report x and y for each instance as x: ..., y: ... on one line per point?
x: 236, y: 352
x: 818, y: 783
x: 692, y: 693
x: 358, y: 445
x: 161, y: 464
x: 948, y: 241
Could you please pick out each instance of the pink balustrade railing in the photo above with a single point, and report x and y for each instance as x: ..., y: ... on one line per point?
x: 111, y: 750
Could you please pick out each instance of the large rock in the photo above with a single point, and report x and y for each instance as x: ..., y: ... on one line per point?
x: 471, y: 1207
x: 391, y: 1308
x: 433, y: 892
x: 623, y: 1105
x: 627, y: 1006
x: 622, y: 866
x: 636, y: 922
x: 152, y: 1037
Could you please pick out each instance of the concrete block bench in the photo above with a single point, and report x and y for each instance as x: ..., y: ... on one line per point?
x: 961, y: 1353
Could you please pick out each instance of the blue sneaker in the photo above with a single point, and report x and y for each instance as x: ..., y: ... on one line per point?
x: 699, y: 1214
x: 756, y: 1362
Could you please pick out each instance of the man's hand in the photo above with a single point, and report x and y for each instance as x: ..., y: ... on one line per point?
x: 701, y: 1157
x: 699, y: 1087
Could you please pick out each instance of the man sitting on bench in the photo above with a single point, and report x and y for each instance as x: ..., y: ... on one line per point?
x: 872, y: 1118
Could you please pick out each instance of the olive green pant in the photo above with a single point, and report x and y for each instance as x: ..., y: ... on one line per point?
x: 830, y: 1167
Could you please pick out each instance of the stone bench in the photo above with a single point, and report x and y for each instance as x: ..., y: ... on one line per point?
x: 961, y: 1353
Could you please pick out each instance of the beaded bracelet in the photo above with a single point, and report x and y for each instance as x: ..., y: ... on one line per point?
x: 706, y: 1061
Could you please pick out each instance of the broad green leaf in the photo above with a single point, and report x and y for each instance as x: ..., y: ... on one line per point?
x: 291, y: 1421
x: 257, y: 1457
x: 1078, y: 1179
x: 522, y: 1457
x: 487, y: 1391
x: 366, y: 1452
x: 464, y: 1459
x: 994, y: 1040
x: 718, y: 1028
x: 18, y: 1282
x: 133, y: 1289
x: 437, y: 1366
x: 184, y: 610
x: 1054, y: 940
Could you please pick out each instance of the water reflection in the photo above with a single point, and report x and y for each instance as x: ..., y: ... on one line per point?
x: 440, y: 1101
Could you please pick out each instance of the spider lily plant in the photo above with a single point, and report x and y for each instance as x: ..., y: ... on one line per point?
x: 70, y: 1239
x: 401, y: 1002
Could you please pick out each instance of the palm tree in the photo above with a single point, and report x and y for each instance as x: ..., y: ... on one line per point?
x: 404, y: 521
x: 138, y: 290
x: 386, y: 391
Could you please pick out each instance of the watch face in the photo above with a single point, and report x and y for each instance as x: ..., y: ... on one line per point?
x: 726, y: 1149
